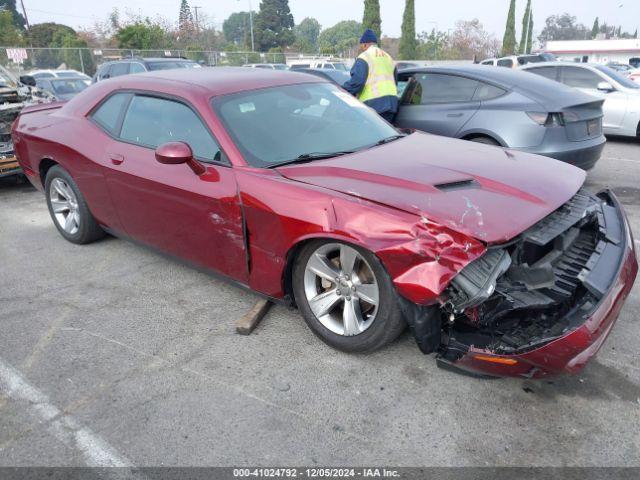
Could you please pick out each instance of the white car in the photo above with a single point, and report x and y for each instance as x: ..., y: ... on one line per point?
x: 49, y: 74
x: 635, y: 75
x: 516, y: 61
x: 621, y: 95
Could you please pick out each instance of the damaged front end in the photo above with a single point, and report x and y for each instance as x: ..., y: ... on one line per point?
x: 13, y: 98
x: 8, y: 163
x: 544, y: 302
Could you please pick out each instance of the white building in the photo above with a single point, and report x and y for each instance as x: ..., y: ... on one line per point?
x: 596, y: 51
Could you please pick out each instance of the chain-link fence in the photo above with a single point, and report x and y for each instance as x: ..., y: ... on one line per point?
x: 87, y: 60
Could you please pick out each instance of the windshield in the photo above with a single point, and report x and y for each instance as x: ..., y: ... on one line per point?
x: 277, y: 125
x: 171, y: 65
x: 68, y: 86
x: 340, y: 66
x: 70, y: 75
x: 621, y: 79
x: 280, y: 66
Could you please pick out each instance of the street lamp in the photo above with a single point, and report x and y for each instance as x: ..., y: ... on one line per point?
x: 253, y: 44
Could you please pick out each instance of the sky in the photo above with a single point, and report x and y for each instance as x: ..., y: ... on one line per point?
x: 429, y: 13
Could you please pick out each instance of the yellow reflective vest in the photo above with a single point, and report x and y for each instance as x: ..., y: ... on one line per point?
x: 381, y: 81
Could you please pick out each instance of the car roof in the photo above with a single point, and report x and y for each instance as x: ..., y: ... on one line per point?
x: 542, y: 90
x: 219, y: 80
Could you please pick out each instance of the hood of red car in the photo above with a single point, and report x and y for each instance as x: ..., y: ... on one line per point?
x: 489, y: 193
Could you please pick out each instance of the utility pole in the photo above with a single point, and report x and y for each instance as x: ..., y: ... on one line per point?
x: 196, y: 8
x: 253, y: 43
x: 24, y: 12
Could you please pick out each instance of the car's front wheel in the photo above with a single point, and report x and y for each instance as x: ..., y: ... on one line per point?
x: 346, y: 296
x: 68, y: 208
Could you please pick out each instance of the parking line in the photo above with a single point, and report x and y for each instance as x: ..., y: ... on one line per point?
x: 96, y: 451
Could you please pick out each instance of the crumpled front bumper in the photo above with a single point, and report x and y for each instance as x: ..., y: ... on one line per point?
x: 570, y: 352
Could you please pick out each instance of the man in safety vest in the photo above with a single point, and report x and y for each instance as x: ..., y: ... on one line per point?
x: 374, y: 78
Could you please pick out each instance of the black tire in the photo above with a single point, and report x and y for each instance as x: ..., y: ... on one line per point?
x: 88, y: 229
x: 388, y: 324
x: 485, y: 140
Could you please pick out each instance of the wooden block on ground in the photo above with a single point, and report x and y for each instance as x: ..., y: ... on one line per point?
x: 250, y: 320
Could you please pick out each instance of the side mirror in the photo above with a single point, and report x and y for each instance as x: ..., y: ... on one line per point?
x: 177, y: 153
x: 174, y: 153
x: 605, y: 87
x: 28, y: 80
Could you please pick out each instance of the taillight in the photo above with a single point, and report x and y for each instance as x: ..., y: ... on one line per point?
x: 547, y: 119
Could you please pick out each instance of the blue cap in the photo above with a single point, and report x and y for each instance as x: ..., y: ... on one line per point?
x: 369, y: 36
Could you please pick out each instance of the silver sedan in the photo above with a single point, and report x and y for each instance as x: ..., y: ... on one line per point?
x: 621, y: 95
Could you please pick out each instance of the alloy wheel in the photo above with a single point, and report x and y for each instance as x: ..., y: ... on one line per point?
x: 341, y: 289
x: 64, y: 205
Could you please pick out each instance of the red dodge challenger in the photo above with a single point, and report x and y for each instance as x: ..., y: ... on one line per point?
x: 499, y: 261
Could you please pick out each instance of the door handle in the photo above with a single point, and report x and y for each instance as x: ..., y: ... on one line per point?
x: 116, y: 158
x: 454, y: 115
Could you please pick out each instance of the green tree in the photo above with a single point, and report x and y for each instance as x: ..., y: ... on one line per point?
x: 10, y: 35
x: 274, y: 25
x: 564, y: 27
x: 596, y: 28
x: 75, y: 53
x: 509, y: 40
x: 340, y: 38
x: 307, y: 33
x: 185, y: 20
x: 371, y: 18
x: 524, y: 39
x: 141, y: 35
x: 16, y: 17
x: 408, y: 42
x: 433, y: 45
x: 41, y: 34
x: 237, y: 29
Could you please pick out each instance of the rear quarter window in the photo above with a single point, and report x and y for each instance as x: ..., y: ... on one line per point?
x: 107, y: 115
x: 487, y: 92
x: 505, y: 62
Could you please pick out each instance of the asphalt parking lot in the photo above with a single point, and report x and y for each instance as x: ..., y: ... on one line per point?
x: 117, y: 355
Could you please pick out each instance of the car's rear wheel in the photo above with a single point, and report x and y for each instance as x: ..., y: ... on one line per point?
x: 68, y: 208
x: 346, y: 296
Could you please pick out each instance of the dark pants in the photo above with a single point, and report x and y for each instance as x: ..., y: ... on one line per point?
x: 388, y: 116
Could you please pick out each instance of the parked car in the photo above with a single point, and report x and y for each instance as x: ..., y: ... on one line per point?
x: 267, y: 66
x: 284, y: 183
x: 130, y: 65
x: 622, y: 68
x: 621, y: 95
x: 318, y: 64
x: 339, y: 77
x: 50, y: 74
x: 516, y: 61
x: 62, y: 89
x: 503, y: 107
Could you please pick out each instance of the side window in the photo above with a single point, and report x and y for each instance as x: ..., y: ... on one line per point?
x: 108, y: 114
x: 487, y: 92
x: 137, y: 68
x: 152, y: 121
x: 487, y: 62
x: 505, y: 62
x: 547, y: 72
x: 579, y: 77
x: 440, y: 88
x: 118, y: 69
